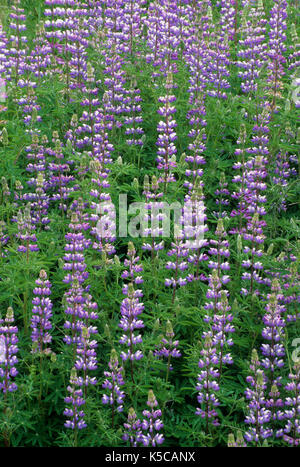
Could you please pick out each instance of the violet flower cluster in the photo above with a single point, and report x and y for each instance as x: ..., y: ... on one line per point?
x: 132, y: 429
x: 131, y: 308
x: 41, y: 315
x: 153, y: 196
x: 166, y: 154
x: 152, y: 423
x: 168, y: 348
x: 252, y: 47
x: 273, y: 332
x: 113, y: 382
x: 8, y: 351
x: 208, y: 385
x: 26, y: 231
x: 258, y: 415
x: 75, y: 400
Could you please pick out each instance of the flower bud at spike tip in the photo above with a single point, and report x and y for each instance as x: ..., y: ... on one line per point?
x: 131, y: 249
x: 146, y: 183
x: 130, y: 290
x: 156, y: 325
x: 43, y: 274
x: 231, y: 440
x: 220, y: 227
x: 260, y: 380
x: 151, y: 399
x: 73, y: 375
x: 254, y: 356
x: 239, y: 243
x: 85, y: 333
x: 107, y: 331
x: 240, y: 439
x: 135, y: 184
x: 131, y: 414
x: 114, y: 357
x: 9, y: 314
x: 4, y: 137
x: 169, y: 329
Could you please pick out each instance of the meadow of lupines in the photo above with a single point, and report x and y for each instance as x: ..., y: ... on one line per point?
x: 139, y: 338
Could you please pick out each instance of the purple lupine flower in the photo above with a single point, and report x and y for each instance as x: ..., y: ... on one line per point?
x: 276, y: 50
x: 195, y: 54
x: 8, y: 351
x: 67, y: 36
x: 251, y: 52
x: 282, y: 170
x: 81, y: 311
x: 114, y: 47
x: 168, y: 347
x: 35, y: 153
x: 166, y: 154
x: 39, y: 202
x: 132, y: 23
x: 254, y: 235
x: 239, y: 179
x: 217, y: 62
x: 133, y: 266
x: 40, y: 57
x: 228, y: 17
x: 163, y: 36
x: 132, y: 429
x: 29, y: 105
x: 134, y: 119
x: 131, y: 308
x: 178, y: 265
x: 221, y: 321
x: 294, y: 49
x: 3, y: 53
x: 114, y: 379
x: 4, y: 238
x: 195, y: 160
x: 193, y: 219
x: 258, y: 415
x: 79, y: 307
x: 74, y: 250
x: 222, y: 193
x: 60, y: 179
x: 291, y: 431
x: 90, y: 132
x: 153, y: 196
x: 273, y: 332
x: 289, y: 278
x: 153, y: 24
x: 275, y: 403
x: 208, y: 386
x: 219, y: 251
x: 26, y: 231
x: 41, y: 315
x: 86, y: 357
x: 17, y: 48
x: 75, y: 400
x: 152, y: 424
x: 222, y: 329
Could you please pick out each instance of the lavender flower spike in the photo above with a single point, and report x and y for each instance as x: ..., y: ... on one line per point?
x: 8, y: 350
x: 152, y: 423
